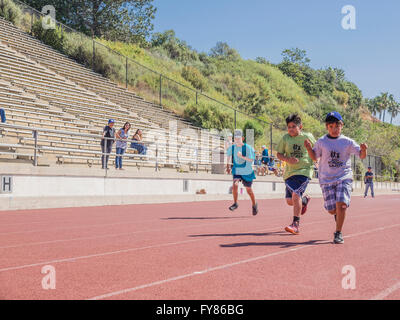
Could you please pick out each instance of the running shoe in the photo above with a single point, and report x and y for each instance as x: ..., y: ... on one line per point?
x: 305, y: 201
x: 293, y: 228
x: 233, y: 207
x: 338, y: 238
x: 255, y: 209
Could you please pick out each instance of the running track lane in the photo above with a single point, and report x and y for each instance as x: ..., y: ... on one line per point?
x: 200, y: 251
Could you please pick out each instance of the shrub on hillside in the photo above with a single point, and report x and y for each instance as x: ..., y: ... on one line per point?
x: 255, y: 125
x: 10, y: 11
x: 194, y: 76
x: 341, y: 97
x: 52, y: 37
x: 208, y: 117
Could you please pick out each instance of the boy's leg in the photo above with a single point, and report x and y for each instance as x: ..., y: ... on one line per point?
x: 329, y: 194
x: 341, y: 208
x: 235, y: 193
x: 297, y: 205
x: 251, y: 195
x: 343, y: 196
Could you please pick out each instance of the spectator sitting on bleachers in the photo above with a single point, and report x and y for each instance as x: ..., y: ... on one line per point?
x: 272, y: 167
x: 257, y: 164
x: 140, y: 147
x: 106, y: 146
x: 122, y: 134
x: 265, y: 158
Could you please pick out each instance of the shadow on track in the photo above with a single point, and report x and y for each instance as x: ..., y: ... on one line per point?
x: 280, y: 233
x: 278, y: 244
x: 204, y: 218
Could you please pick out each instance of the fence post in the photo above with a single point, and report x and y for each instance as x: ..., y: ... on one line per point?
x: 94, y: 54
x: 160, y: 90
x: 156, y: 156
x: 126, y: 79
x: 31, y: 22
x: 35, y: 135
x: 270, y: 138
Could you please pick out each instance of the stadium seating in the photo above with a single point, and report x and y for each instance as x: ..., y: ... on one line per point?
x: 41, y: 88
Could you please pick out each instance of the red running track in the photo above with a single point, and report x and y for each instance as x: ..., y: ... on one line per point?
x: 200, y: 251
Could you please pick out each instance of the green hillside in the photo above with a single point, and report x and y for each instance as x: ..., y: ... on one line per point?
x: 269, y: 92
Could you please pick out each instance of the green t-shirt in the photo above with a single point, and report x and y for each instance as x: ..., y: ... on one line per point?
x: 294, y: 147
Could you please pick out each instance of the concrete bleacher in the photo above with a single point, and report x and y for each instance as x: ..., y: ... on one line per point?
x: 42, y: 88
x: 61, y: 64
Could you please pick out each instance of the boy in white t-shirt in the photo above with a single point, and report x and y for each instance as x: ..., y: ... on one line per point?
x: 334, y: 170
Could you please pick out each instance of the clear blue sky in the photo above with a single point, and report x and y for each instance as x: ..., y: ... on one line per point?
x: 370, y: 55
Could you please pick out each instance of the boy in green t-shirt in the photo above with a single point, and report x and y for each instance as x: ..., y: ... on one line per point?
x: 299, y: 169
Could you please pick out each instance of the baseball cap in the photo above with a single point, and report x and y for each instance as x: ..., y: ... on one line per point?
x: 111, y: 121
x: 335, y: 115
x: 264, y: 146
x: 238, y: 134
x: 369, y: 167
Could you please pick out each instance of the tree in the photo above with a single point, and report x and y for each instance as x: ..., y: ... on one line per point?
x: 295, y: 55
x: 394, y: 108
x: 224, y: 51
x: 129, y: 21
x: 383, y: 104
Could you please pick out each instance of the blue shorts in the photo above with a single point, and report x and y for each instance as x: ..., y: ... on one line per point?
x: 247, y: 184
x: 296, y: 184
x: 339, y: 191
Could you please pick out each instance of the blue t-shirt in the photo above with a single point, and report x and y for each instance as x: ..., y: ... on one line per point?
x: 334, y: 158
x: 242, y: 167
x: 369, y: 176
x: 265, y: 156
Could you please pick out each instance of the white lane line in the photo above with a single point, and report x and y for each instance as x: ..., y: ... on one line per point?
x: 225, y: 266
x: 99, y: 225
x: 270, y: 229
x: 382, y: 295
x: 118, y: 234
x: 26, y: 244
x: 147, y: 247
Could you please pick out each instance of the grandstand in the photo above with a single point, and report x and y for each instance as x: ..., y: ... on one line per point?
x: 44, y: 89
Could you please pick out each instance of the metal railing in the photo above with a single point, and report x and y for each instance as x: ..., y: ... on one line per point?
x: 152, y: 85
x: 159, y: 153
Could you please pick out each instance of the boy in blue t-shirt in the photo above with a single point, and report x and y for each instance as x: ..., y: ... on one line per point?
x: 241, y: 155
x: 335, y: 175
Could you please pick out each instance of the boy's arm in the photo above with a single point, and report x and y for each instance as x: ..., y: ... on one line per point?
x: 250, y: 152
x: 290, y: 160
x: 311, y: 152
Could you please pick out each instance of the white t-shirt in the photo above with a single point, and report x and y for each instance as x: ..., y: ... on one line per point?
x: 334, y: 156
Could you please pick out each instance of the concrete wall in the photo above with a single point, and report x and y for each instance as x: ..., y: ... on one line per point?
x: 41, y: 188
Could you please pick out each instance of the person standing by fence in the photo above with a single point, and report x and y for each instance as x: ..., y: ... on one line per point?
x: 122, y: 136
x: 369, y: 182
x: 107, y: 142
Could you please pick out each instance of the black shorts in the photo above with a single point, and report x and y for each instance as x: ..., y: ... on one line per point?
x: 247, y: 184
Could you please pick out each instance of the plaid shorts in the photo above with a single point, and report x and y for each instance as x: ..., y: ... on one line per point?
x: 339, y: 191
